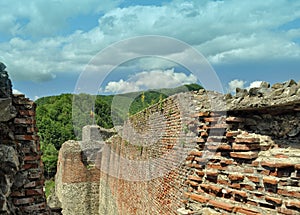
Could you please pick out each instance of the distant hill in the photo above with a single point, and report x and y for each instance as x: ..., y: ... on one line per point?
x: 54, y: 115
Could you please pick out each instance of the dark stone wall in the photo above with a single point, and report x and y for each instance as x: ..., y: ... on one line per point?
x: 21, y: 167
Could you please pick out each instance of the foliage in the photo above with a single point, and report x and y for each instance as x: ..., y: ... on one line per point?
x: 49, y: 187
x: 49, y: 158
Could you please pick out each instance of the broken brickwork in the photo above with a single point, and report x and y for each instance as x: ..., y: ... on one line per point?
x: 21, y: 168
x: 221, y: 154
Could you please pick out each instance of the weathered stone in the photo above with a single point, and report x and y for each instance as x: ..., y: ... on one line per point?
x: 290, y: 83
x: 8, y: 111
x: 277, y: 86
x: 241, y: 92
x: 9, y: 160
x: 5, y: 83
x: 265, y: 84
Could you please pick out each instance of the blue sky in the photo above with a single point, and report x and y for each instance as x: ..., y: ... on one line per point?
x: 46, y: 45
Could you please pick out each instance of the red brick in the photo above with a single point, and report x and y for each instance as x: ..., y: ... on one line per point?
x: 281, y: 156
x: 23, y: 201
x: 228, y: 162
x: 244, y: 155
x: 232, y: 133
x: 235, y: 186
x: 215, y: 166
x: 247, y: 140
x: 250, y: 202
x: 30, y: 166
x: 196, y: 153
x: 34, y: 192
x: 255, y: 163
x: 253, y: 178
x: 24, y: 121
x: 240, y: 193
x: 245, y: 211
x: 236, y: 177
x: 190, y: 158
x: 224, y: 182
x: 31, y: 158
x: 224, y: 147
x: 265, y: 172
x: 200, y: 173
x: 199, y: 198
x: 295, y: 204
x: 234, y: 119
x: 294, y: 194
x: 248, y: 170
x: 222, y: 205
x: 212, y: 174
x: 286, y: 211
x: 200, y: 114
x: 269, y: 180
x: 212, y: 119
x: 186, y: 195
x: 26, y: 137
x: 203, y: 134
x: 245, y: 147
x: 248, y: 187
x: 277, y: 164
x: 205, y: 186
x: 27, y: 113
x: 36, y: 175
x: 192, y: 183
x: 200, y: 159
x: 35, y: 208
x: 215, y: 189
x: 194, y: 178
x: 273, y: 199
x: 17, y: 194
x: 200, y: 140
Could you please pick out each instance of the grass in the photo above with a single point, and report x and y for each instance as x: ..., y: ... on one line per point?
x: 49, y: 187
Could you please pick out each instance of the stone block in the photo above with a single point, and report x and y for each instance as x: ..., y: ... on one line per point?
x: 244, y: 155
x: 222, y: 205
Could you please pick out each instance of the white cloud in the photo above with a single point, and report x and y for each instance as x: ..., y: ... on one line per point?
x: 15, y: 91
x: 255, y: 84
x: 121, y: 87
x: 224, y: 31
x: 232, y: 85
x: 44, y: 18
x: 154, y: 79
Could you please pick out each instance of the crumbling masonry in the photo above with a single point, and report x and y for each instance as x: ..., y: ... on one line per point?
x: 209, y: 154
x: 21, y: 168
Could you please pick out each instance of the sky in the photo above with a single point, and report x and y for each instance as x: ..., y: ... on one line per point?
x: 47, y: 46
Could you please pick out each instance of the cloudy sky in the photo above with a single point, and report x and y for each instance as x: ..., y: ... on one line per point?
x: 46, y: 45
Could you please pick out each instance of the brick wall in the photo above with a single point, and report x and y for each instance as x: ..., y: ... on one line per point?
x: 255, y: 168
x: 21, y: 171
x: 240, y: 156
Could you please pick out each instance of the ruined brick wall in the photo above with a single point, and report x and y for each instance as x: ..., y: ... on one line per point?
x: 241, y: 156
x: 21, y: 168
x: 156, y: 135
x: 253, y: 170
x: 254, y: 162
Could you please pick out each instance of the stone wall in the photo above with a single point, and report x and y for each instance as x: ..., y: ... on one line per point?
x: 195, y: 153
x: 21, y: 168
